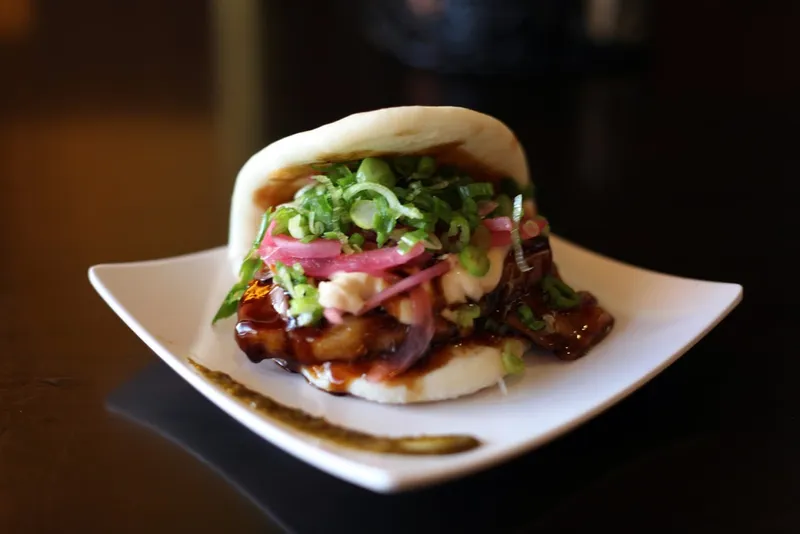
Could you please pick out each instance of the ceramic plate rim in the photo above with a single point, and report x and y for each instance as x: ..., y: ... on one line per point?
x: 367, y: 476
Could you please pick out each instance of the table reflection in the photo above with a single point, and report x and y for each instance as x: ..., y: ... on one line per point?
x: 301, y: 498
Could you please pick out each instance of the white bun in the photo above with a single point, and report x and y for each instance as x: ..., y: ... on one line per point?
x: 469, y: 370
x: 460, y: 136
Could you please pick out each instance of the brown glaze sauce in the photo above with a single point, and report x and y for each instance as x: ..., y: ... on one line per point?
x: 348, y: 351
x: 321, y: 428
x: 261, y: 332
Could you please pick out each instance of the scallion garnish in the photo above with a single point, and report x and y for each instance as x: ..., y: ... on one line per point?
x: 391, y: 199
x: 364, y: 213
x: 466, y: 315
x: 410, y: 239
x: 512, y: 363
x: 460, y: 227
x: 375, y: 170
x: 559, y: 295
x: 298, y: 227
x: 477, y: 190
x: 528, y: 319
x: 474, y: 260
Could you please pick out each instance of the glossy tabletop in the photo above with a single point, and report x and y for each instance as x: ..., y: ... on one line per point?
x: 122, y: 126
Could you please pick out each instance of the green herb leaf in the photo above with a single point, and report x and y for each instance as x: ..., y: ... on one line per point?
x: 231, y: 302
x: 249, y: 268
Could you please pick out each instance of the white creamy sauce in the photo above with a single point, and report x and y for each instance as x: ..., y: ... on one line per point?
x: 460, y: 287
x: 349, y: 291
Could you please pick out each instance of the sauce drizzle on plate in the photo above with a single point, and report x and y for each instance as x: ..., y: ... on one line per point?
x: 321, y: 428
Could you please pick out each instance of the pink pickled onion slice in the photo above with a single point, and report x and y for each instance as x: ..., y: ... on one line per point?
x: 529, y: 229
x: 498, y: 224
x: 319, y: 248
x: 415, y: 344
x: 333, y: 315
x: 368, y: 262
x: 421, y: 260
x: 485, y: 207
x: 404, y: 285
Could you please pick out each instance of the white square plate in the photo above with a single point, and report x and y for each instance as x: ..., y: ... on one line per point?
x: 169, y: 304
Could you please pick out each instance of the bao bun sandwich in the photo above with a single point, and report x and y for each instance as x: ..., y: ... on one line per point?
x: 397, y: 255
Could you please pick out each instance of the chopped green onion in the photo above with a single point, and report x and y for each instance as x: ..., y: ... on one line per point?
x: 432, y: 242
x: 515, y: 237
x: 469, y: 209
x: 476, y: 190
x: 560, y: 295
x: 460, y: 226
x: 375, y: 170
x: 391, y: 199
x: 281, y: 218
x: 283, y: 277
x: 410, y: 239
x: 442, y: 210
x: 298, y: 228
x: 466, y: 315
x: 512, y: 363
x: 357, y: 240
x: 262, y: 230
x: 386, y: 221
x: 505, y: 207
x: 528, y: 319
x: 427, y: 222
x: 425, y: 167
x: 364, y: 214
x: 303, y: 305
x: 474, y: 260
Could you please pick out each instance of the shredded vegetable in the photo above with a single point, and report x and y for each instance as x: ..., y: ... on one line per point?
x: 379, y: 214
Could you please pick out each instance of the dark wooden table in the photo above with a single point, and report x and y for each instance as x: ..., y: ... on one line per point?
x: 121, y: 129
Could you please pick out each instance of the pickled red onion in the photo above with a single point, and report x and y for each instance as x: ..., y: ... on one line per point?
x: 319, y: 248
x: 498, y: 224
x: 404, y: 285
x: 527, y: 230
x: 367, y: 262
x: 416, y: 343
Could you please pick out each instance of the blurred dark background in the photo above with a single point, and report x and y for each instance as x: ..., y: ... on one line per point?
x: 662, y: 133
